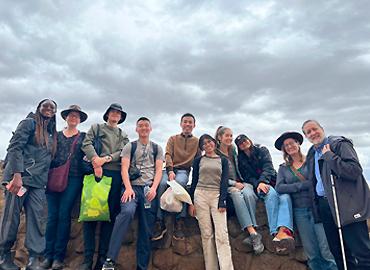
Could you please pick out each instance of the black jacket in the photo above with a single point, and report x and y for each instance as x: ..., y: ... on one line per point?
x: 223, y: 184
x: 352, y: 190
x: 257, y: 168
x: 26, y: 157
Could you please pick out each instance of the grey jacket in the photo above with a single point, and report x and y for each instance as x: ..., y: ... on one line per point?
x: 352, y: 191
x: 27, y: 158
x: 299, y: 190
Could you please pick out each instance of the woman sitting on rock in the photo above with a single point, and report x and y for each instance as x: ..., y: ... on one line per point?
x: 291, y: 180
x: 255, y: 165
x: 208, y: 192
x: 241, y: 193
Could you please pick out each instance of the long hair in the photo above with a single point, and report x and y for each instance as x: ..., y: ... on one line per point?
x: 44, y: 127
x: 220, y: 131
x: 289, y: 160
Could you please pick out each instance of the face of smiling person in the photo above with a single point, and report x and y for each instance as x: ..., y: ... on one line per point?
x: 245, y: 145
x: 227, y: 137
x: 48, y: 108
x: 143, y: 128
x: 73, y: 119
x: 314, y: 133
x: 114, y: 116
x: 291, y: 146
x: 209, y: 146
x: 187, y: 125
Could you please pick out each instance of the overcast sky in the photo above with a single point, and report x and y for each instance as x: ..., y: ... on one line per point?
x: 259, y: 67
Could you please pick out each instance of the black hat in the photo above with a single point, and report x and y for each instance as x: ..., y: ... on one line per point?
x: 288, y: 135
x: 115, y: 106
x: 241, y: 138
x: 74, y: 108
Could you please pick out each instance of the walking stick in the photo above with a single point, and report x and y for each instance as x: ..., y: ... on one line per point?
x: 338, y: 221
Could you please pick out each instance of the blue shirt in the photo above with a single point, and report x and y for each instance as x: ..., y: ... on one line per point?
x: 318, y: 153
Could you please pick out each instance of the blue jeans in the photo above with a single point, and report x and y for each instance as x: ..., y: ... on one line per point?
x: 245, y: 205
x: 279, y: 210
x: 182, y: 177
x: 146, y: 224
x: 314, y: 240
x: 58, y: 226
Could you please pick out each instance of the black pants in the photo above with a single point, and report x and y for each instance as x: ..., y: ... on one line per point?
x: 105, y: 227
x: 355, y: 236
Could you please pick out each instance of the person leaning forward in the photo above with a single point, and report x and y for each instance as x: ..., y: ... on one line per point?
x: 108, y: 164
x: 335, y: 155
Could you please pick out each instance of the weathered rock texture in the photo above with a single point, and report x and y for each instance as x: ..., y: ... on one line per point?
x: 169, y: 253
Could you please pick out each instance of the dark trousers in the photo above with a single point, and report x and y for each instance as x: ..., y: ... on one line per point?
x: 105, y: 227
x: 355, y: 236
x: 58, y: 228
x: 146, y: 223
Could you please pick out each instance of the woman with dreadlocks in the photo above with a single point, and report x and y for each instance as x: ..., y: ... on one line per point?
x: 25, y: 177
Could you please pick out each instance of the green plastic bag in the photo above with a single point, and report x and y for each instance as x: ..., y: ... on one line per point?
x: 94, y: 199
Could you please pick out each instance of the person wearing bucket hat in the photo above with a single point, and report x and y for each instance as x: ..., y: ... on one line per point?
x: 60, y: 204
x: 115, y: 107
x: 30, y: 151
x: 208, y: 192
x: 291, y: 179
x: 256, y: 168
x: 107, y: 163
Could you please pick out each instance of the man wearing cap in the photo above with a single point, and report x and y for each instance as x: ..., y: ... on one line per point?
x: 181, y: 150
x: 60, y: 204
x: 335, y: 156
x: 107, y: 163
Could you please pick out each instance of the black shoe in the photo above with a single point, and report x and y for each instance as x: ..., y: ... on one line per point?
x: 57, y: 265
x: 34, y: 264
x: 85, y: 266
x: 99, y: 262
x: 46, y: 263
x: 159, y: 231
x: 109, y: 265
x: 179, y: 234
x: 6, y: 263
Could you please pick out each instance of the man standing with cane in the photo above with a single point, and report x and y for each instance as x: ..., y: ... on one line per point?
x: 341, y: 194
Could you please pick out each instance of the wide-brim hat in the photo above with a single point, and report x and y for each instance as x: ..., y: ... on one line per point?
x: 74, y: 108
x: 288, y: 135
x: 118, y: 107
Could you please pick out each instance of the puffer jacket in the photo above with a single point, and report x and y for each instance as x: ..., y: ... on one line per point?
x: 257, y: 168
x: 353, y: 194
x: 26, y: 157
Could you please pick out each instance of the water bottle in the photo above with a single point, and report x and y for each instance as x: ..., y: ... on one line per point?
x: 147, y: 204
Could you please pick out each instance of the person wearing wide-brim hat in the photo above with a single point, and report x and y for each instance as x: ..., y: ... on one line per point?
x: 291, y: 179
x: 74, y: 108
x: 60, y: 202
x: 116, y: 107
x: 105, y: 163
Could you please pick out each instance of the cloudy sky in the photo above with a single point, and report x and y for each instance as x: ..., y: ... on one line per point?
x: 259, y: 67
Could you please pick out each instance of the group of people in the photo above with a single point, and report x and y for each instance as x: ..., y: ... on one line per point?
x: 299, y: 198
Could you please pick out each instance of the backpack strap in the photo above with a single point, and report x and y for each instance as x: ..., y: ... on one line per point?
x: 155, y: 150
x: 133, y: 150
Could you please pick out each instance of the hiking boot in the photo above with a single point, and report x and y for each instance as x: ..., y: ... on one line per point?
x: 46, y: 263
x: 57, y: 265
x: 159, y: 231
x: 6, y: 263
x: 109, y: 265
x: 256, y: 240
x: 178, y: 233
x: 33, y: 263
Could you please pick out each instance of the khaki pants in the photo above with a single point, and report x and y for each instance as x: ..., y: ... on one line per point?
x: 206, y: 206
